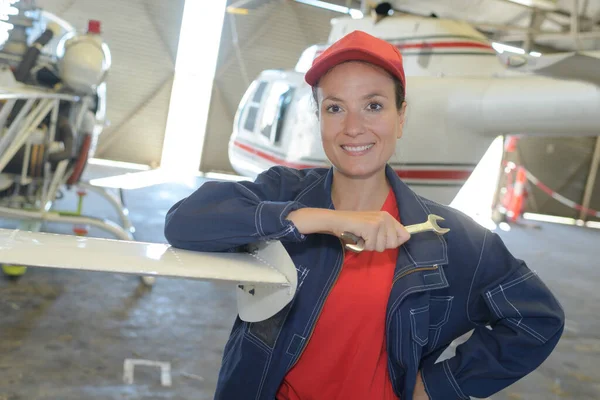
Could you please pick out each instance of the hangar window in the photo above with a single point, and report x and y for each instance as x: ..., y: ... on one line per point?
x: 276, y: 104
x: 254, y: 106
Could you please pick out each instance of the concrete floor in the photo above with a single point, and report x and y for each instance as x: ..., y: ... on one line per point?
x: 65, y: 334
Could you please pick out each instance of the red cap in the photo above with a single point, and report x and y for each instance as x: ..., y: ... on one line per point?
x: 358, y: 46
x: 93, y: 26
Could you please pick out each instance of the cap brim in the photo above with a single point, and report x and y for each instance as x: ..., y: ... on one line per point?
x: 327, y: 62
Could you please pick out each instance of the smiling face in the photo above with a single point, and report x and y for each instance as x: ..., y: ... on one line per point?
x: 360, y: 121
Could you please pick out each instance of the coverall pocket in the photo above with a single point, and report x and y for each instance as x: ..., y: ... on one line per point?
x: 427, y: 321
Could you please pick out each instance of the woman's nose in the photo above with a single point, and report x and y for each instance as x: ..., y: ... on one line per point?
x: 354, y: 124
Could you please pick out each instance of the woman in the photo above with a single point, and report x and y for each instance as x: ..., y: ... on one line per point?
x: 369, y: 325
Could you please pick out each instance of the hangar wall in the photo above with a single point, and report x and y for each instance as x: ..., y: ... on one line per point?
x: 270, y: 36
x: 142, y: 36
x: 562, y: 164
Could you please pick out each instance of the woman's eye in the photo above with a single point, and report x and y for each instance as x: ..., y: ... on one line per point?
x: 374, y: 106
x: 333, y: 108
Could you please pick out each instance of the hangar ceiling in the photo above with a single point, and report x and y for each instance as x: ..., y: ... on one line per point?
x: 548, y: 23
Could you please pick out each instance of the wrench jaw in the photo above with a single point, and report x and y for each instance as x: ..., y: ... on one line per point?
x: 432, y: 218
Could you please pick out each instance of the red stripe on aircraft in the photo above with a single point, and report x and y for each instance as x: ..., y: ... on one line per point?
x: 272, y: 158
x: 421, y: 174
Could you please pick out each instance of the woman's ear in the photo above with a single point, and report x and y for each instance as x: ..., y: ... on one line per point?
x: 402, y: 111
x: 401, y: 119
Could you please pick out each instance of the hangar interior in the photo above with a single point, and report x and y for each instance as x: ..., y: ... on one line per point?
x: 174, y: 85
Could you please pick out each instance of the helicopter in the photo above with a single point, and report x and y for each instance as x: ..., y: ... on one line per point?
x: 463, y: 91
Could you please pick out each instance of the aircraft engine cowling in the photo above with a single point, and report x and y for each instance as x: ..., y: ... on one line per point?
x: 86, y: 60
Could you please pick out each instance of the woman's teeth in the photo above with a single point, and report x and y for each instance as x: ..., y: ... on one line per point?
x: 357, y: 148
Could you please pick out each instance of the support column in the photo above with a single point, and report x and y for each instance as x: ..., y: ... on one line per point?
x: 575, y: 23
x: 197, y: 52
x: 591, y: 179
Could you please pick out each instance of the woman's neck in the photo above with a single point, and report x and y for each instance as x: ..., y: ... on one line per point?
x: 359, y: 194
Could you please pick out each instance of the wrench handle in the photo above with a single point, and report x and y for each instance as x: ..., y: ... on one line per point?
x: 417, y: 228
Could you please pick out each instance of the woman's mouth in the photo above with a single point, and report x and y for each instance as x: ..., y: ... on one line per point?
x: 357, y: 150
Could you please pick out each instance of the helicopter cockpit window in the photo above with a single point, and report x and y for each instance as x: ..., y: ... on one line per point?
x: 276, y: 104
x: 254, y: 106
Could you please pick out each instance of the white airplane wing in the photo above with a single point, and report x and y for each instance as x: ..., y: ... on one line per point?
x: 266, y: 278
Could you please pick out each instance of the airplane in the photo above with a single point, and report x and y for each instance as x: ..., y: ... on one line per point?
x: 264, y: 276
x: 53, y: 109
x: 461, y: 95
x: 53, y: 106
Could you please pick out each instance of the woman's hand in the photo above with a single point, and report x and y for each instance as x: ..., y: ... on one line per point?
x: 379, y: 229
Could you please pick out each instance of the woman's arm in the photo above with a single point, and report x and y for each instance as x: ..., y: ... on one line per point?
x: 378, y: 229
x: 525, y: 323
x: 222, y: 216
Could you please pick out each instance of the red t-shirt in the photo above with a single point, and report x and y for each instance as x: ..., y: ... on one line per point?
x: 346, y: 357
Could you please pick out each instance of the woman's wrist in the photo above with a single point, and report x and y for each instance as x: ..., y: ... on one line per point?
x: 315, y: 220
